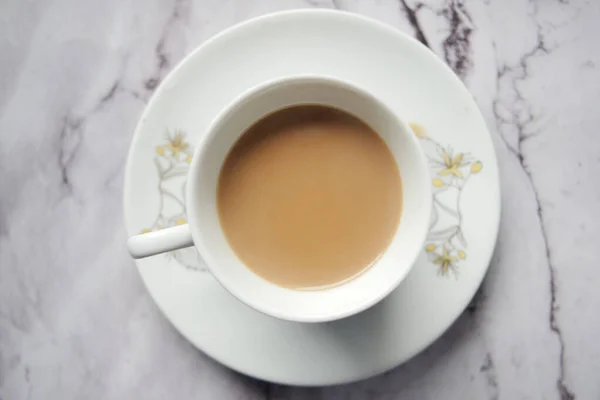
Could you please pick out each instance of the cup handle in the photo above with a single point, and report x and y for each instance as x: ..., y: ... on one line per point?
x: 152, y: 243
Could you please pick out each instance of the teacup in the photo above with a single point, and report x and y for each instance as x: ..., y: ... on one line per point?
x: 205, y: 233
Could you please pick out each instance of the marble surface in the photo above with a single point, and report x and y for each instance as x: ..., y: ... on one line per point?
x: 75, y: 320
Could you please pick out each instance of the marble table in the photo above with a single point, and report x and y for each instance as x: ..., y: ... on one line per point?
x: 75, y: 320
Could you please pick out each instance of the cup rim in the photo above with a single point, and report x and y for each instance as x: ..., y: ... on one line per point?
x: 203, y: 249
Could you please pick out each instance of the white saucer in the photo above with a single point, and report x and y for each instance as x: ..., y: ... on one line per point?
x: 412, y: 81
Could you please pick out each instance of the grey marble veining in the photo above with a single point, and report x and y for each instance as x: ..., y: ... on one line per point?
x: 75, y: 320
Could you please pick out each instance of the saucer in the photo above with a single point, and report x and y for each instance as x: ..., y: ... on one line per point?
x: 413, y: 82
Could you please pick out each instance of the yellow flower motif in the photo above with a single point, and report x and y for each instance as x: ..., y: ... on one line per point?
x: 452, y: 165
x: 177, y: 144
x: 145, y: 230
x: 444, y: 260
x: 438, y: 182
x: 418, y: 130
x: 189, y: 159
x: 462, y: 255
x: 430, y: 247
x: 160, y: 150
x: 180, y: 221
x: 476, y: 167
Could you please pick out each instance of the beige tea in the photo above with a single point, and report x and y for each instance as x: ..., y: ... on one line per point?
x: 309, y: 197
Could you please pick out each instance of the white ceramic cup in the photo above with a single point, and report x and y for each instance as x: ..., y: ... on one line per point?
x: 204, y: 230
